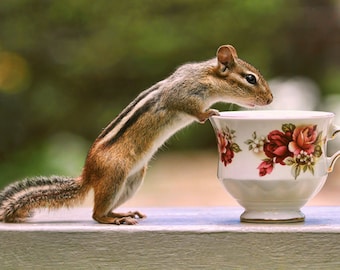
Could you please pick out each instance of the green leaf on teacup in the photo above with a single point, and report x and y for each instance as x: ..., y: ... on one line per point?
x: 288, y: 127
x: 235, y: 147
x: 254, y: 135
x: 296, y: 169
x: 290, y: 161
x: 251, y: 144
x: 317, y: 151
x: 249, y: 141
x: 304, y: 168
x: 311, y: 169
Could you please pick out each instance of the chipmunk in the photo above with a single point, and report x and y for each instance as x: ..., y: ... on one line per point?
x: 116, y: 162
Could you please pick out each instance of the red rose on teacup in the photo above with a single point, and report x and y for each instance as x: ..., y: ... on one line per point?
x: 224, y: 148
x: 221, y: 142
x: 304, y: 139
x: 227, y: 156
x: 266, y: 167
x: 276, y: 147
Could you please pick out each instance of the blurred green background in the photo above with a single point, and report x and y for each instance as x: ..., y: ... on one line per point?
x: 67, y: 68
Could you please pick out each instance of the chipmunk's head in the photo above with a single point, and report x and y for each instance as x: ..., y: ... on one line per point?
x: 239, y: 81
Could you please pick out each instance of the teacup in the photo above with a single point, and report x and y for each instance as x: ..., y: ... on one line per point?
x: 273, y: 162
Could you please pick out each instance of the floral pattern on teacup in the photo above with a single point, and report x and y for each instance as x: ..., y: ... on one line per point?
x: 226, y: 145
x: 295, y: 146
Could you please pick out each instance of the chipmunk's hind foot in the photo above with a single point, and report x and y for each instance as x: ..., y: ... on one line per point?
x: 129, y: 218
x: 132, y: 214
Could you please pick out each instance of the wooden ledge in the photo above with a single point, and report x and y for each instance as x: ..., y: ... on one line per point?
x: 194, y: 219
x: 172, y: 238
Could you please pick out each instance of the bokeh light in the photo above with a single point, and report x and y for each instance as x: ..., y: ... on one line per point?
x: 14, y: 72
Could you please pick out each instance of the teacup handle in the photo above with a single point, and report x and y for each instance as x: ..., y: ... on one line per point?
x: 333, y: 131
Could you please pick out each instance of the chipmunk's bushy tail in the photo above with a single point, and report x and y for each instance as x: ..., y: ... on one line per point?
x: 18, y: 200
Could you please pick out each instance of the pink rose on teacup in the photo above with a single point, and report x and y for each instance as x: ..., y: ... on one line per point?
x: 304, y: 139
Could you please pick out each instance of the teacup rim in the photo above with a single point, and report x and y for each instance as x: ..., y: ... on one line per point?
x: 272, y: 114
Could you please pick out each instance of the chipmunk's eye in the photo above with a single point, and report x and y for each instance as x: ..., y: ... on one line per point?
x: 251, y: 78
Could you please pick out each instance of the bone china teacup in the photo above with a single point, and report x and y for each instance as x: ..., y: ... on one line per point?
x: 273, y: 162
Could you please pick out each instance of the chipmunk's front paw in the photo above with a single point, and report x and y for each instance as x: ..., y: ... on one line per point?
x: 208, y: 113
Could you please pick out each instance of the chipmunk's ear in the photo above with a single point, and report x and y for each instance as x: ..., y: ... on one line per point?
x: 226, y: 55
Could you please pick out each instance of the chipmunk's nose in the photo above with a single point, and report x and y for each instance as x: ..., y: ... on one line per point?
x: 270, y: 99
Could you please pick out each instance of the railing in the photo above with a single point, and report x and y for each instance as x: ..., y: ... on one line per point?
x: 172, y: 238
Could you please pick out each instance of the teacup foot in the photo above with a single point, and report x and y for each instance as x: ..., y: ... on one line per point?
x: 272, y: 217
